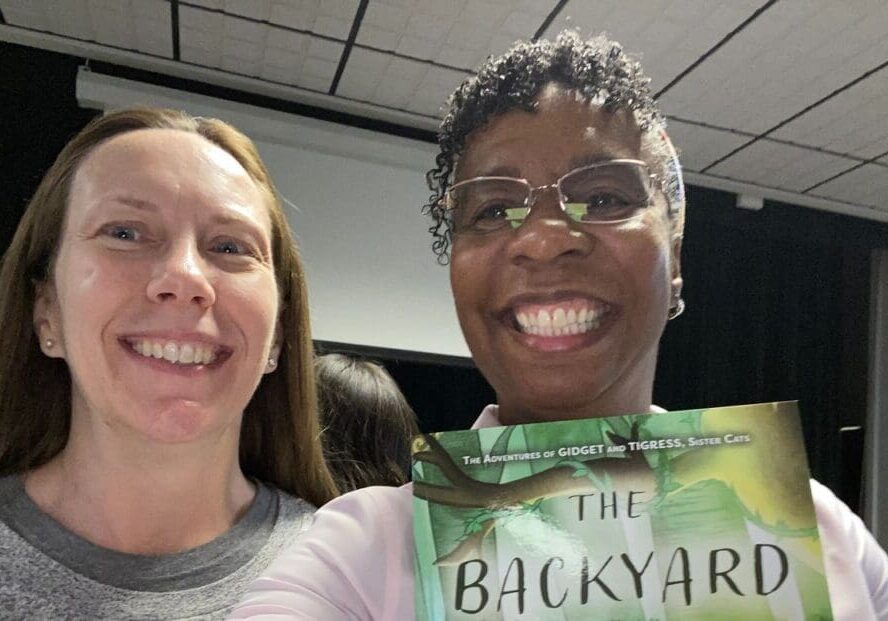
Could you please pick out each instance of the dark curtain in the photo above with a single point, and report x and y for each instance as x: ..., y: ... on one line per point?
x: 777, y: 309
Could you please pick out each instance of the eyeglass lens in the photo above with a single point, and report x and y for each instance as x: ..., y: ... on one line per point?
x: 608, y: 192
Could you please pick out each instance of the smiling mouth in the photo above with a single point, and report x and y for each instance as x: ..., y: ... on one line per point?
x: 578, y: 316
x: 176, y: 352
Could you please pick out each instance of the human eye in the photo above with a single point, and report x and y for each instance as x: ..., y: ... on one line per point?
x: 603, y: 207
x: 232, y: 247
x: 123, y: 232
x: 489, y: 216
x: 609, y: 193
x: 488, y: 205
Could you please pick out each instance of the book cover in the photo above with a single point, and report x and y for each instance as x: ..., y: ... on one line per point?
x: 698, y: 514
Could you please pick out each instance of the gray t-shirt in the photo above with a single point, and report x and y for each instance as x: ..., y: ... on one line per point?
x: 48, y: 572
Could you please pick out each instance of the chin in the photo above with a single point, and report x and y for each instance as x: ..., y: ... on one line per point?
x: 177, y: 423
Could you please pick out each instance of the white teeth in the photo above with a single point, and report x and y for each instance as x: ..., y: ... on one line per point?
x: 544, y: 320
x: 170, y: 352
x: 176, y: 353
x: 560, y: 322
x: 186, y: 354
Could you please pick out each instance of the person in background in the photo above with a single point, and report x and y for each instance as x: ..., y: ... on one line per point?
x: 557, y: 198
x: 368, y: 424
x: 158, y: 420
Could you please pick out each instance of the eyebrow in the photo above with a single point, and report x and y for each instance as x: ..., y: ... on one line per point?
x: 577, y: 162
x: 597, y: 158
x: 500, y: 171
x: 136, y: 203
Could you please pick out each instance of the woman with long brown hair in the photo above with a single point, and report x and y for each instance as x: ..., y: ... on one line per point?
x: 158, y: 427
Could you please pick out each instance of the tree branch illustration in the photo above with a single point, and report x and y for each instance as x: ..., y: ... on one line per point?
x: 630, y: 472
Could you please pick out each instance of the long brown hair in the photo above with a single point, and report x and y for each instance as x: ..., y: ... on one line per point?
x: 279, y: 440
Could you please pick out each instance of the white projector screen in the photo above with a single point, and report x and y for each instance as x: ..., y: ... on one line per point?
x: 354, y: 199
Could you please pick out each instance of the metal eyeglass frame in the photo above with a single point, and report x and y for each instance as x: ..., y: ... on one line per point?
x: 534, y: 191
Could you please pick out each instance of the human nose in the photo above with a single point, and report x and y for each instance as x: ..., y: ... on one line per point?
x: 547, y: 233
x: 181, y: 276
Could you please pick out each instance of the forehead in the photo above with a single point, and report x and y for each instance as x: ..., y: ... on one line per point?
x: 165, y: 161
x: 165, y: 148
x: 564, y: 131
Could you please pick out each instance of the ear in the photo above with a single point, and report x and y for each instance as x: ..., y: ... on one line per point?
x: 677, y: 281
x: 47, y: 321
x: 275, y: 353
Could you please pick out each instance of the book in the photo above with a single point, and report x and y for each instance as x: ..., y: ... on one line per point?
x: 697, y: 514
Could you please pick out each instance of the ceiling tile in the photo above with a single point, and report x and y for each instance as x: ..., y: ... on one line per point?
x: 853, y: 122
x: 285, y: 58
x: 379, y: 78
x: 385, y: 15
x: 218, y: 5
x: 781, y: 63
x: 380, y: 38
x: 332, y: 18
x: 459, y: 35
x: 271, y: 52
x: 246, y: 30
x: 285, y: 39
x: 700, y: 146
x: 491, y: 13
x: 385, y: 79
x: 254, y: 9
x: 668, y: 35
x: 867, y: 185
x: 781, y: 166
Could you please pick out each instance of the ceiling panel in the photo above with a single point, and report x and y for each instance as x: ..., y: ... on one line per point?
x: 332, y: 18
x: 460, y: 33
x: 410, y: 55
x: 793, y: 55
x: 853, y: 122
x: 399, y: 83
x: 867, y: 185
x: 140, y: 25
x: 781, y: 166
x: 700, y: 146
x: 239, y: 46
x: 667, y: 35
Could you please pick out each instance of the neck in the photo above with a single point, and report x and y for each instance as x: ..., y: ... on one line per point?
x: 629, y: 392
x: 515, y: 414
x: 140, y: 499
x: 617, y: 400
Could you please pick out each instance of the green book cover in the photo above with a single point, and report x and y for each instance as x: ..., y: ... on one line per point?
x: 698, y: 514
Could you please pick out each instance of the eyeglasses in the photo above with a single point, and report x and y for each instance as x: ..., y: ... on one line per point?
x: 606, y: 192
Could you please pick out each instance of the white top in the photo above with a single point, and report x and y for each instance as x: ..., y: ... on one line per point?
x: 356, y: 561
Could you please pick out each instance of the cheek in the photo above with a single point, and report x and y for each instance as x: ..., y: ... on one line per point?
x: 254, y: 300
x: 468, y: 278
x: 644, y: 253
x: 87, y: 285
